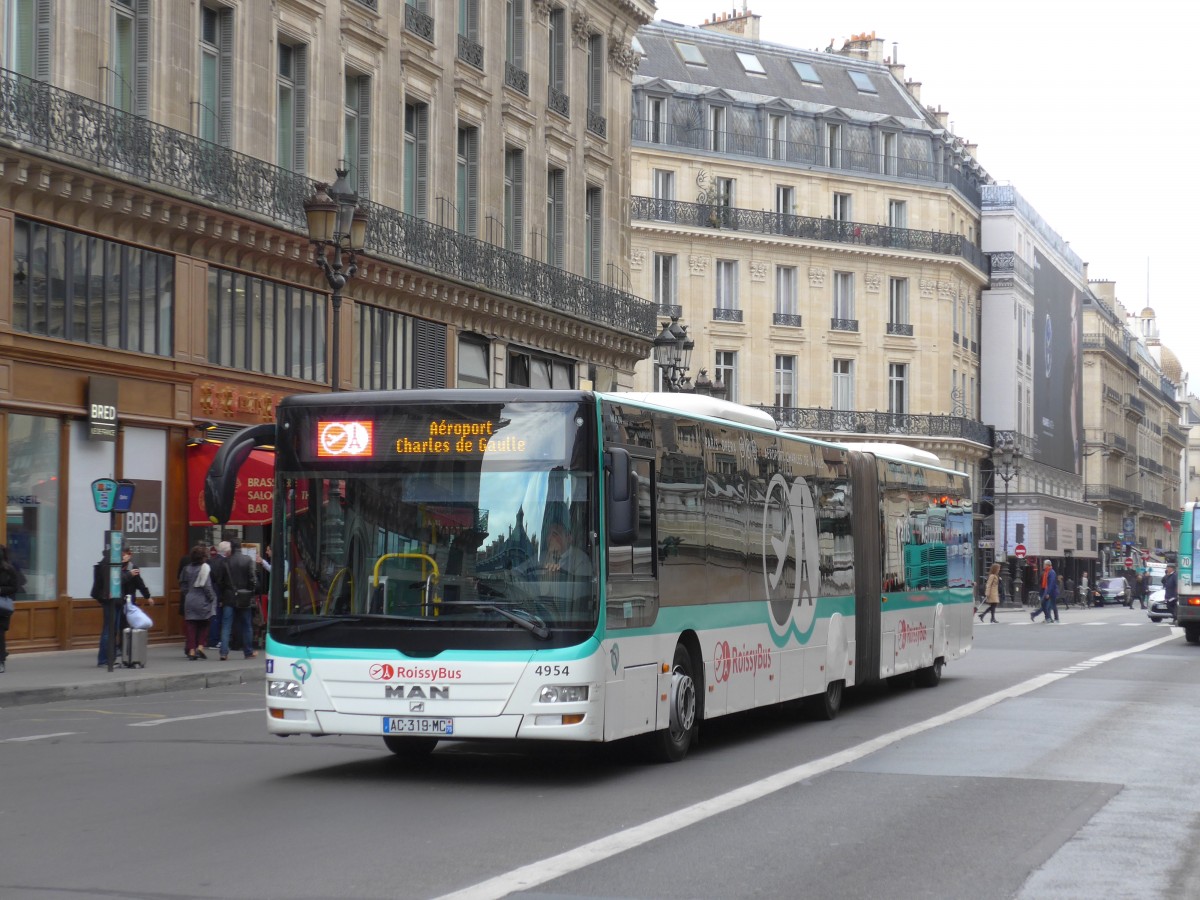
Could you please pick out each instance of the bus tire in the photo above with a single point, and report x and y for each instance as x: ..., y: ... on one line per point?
x: 410, y: 747
x: 930, y: 675
x: 1192, y: 633
x: 672, y: 743
x: 829, y: 704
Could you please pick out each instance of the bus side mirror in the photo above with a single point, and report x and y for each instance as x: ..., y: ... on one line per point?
x: 622, y: 498
x: 221, y: 480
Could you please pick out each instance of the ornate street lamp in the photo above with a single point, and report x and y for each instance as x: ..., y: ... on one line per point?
x: 1007, y: 465
x: 337, y: 227
x: 673, y: 354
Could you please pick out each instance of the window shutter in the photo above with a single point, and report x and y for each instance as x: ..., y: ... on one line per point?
x: 364, y: 137
x: 141, y: 69
x: 473, y: 182
x: 41, y: 41
x: 518, y: 182
x: 422, y: 205
x: 519, y: 34
x: 225, y: 112
x: 430, y: 354
x: 596, y: 73
x: 595, y: 232
x: 558, y: 49
x: 559, y: 233
x: 300, y: 110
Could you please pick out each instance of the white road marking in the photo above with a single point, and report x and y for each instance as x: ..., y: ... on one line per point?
x: 211, y: 715
x: 546, y: 870
x: 37, y: 737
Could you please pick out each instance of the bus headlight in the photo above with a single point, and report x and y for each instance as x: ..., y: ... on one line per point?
x: 289, y: 689
x: 563, y: 693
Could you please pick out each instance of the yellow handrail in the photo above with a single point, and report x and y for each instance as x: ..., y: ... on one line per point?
x: 332, y: 585
x: 424, y: 557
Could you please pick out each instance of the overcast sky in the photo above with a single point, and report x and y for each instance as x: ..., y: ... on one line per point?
x: 1084, y: 108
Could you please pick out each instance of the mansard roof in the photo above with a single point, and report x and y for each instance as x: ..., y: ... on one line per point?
x: 722, y: 69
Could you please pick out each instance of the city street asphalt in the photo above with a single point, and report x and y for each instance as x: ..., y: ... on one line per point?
x: 73, y: 674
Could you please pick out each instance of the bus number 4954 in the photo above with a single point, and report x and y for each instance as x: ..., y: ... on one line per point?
x: 552, y: 670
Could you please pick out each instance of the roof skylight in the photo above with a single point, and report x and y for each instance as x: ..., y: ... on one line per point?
x: 691, y: 53
x: 806, y: 72
x: 751, y: 64
x: 863, y: 82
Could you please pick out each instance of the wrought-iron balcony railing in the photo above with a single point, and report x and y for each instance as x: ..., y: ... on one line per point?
x: 788, y: 320
x: 1136, y: 403
x: 730, y: 218
x: 1117, y: 441
x: 836, y: 324
x: 45, y: 119
x: 470, y: 52
x: 418, y: 23
x: 820, y: 156
x: 1177, y: 434
x: 1154, y: 508
x: 1111, y: 393
x: 597, y: 124
x: 670, y: 309
x: 899, y: 328
x: 1009, y: 265
x: 725, y: 314
x: 515, y: 78
x: 1105, y: 493
x: 558, y: 102
x: 844, y: 421
x: 1150, y: 465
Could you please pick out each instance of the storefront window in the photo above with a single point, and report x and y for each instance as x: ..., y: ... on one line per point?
x: 32, y: 508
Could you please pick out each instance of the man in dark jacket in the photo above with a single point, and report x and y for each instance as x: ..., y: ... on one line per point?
x: 238, y: 589
x: 1171, y: 588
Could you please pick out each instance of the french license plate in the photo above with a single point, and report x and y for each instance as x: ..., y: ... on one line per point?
x: 417, y: 725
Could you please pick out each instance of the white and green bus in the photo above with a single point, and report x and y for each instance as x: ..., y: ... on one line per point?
x: 580, y: 566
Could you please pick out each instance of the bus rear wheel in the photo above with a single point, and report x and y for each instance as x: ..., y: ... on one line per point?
x: 930, y: 675
x: 672, y: 743
x: 1192, y: 633
x: 410, y: 747
x: 829, y: 704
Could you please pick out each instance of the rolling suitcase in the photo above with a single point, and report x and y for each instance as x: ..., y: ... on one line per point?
x: 133, y: 647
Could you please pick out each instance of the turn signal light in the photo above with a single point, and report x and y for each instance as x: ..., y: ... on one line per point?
x: 1193, y: 601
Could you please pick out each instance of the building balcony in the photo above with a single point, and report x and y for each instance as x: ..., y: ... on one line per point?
x: 1006, y: 266
x: 558, y: 102
x: 597, y: 124
x: 899, y: 328
x: 671, y: 309
x: 42, y: 119
x: 515, y: 78
x: 1176, y: 434
x: 470, y: 52
x: 1136, y: 405
x: 1112, y: 395
x: 653, y: 133
x: 1150, y: 465
x: 1154, y: 508
x: 725, y: 314
x: 787, y: 320
x: 418, y: 23
x: 843, y: 324
x: 729, y: 218
x: 1104, y: 493
x: 839, y: 421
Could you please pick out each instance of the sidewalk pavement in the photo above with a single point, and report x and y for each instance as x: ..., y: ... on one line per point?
x: 73, y: 675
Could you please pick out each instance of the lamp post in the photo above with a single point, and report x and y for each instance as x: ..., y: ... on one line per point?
x: 673, y: 354
x: 1007, y: 465
x: 337, y: 227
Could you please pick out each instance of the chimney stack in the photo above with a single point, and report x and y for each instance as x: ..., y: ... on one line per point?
x: 863, y: 46
x: 744, y: 24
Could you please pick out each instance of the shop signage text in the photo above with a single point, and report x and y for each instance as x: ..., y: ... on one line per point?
x: 102, y: 408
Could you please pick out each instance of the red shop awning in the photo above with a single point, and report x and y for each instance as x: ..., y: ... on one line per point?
x: 252, y: 504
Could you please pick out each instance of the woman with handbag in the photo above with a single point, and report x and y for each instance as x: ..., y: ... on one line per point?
x: 199, y: 602
x: 991, y: 593
x: 11, y: 581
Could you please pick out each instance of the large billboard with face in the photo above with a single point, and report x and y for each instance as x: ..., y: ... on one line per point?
x: 1057, y: 373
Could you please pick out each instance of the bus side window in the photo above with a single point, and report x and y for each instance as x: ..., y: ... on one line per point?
x: 639, y: 558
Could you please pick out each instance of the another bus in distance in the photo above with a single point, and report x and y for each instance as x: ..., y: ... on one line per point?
x: 579, y: 566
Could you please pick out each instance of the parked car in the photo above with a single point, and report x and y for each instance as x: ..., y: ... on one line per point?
x: 1115, y: 590
x: 1158, y: 606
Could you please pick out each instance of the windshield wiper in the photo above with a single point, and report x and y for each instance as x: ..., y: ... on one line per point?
x: 325, y: 622
x: 527, y: 620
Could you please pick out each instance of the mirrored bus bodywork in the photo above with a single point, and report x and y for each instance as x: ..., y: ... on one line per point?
x: 589, y: 567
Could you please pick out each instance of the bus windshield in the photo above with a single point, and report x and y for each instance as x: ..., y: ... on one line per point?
x: 456, y: 528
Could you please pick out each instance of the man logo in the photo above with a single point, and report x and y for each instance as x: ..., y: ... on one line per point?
x: 791, y: 574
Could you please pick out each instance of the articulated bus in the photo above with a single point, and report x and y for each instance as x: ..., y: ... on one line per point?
x: 1187, y: 608
x: 580, y: 566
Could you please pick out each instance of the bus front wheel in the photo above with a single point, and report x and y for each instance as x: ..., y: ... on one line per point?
x: 672, y: 743
x: 410, y: 747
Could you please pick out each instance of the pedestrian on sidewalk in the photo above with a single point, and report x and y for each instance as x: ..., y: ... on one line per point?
x: 199, y: 602
x: 240, y: 593
x: 11, y: 582
x: 991, y: 593
x: 111, y: 607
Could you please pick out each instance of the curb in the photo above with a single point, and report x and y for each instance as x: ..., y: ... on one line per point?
x: 127, y: 688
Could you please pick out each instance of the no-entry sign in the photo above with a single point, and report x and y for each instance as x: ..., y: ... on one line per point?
x: 1019, y: 551
x: 1129, y: 562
